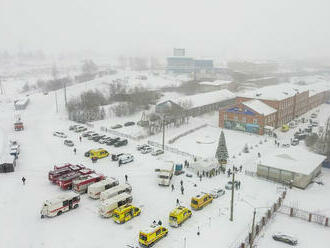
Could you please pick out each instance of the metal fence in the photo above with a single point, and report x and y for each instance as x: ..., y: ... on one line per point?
x: 173, y: 150
x: 120, y: 134
x: 305, y: 215
x: 186, y: 133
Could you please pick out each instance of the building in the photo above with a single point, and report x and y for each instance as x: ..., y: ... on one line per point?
x: 259, y: 68
x: 7, y: 163
x: 294, y: 166
x: 21, y: 103
x: 251, y: 116
x: 179, y: 52
x: 198, y: 104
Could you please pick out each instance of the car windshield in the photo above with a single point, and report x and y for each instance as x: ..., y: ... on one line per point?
x: 194, y: 202
x: 162, y: 176
x: 172, y: 218
x: 143, y: 237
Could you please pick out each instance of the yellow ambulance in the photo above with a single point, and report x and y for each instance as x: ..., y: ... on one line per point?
x: 150, y: 236
x: 98, y: 153
x: 125, y: 213
x: 178, y: 216
x: 199, y: 201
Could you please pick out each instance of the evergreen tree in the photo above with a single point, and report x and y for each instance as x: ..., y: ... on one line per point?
x: 222, y: 153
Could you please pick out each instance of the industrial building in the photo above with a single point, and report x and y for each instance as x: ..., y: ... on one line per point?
x: 294, y: 166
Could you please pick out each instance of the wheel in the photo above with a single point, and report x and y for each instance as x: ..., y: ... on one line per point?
x: 75, y: 206
x: 59, y: 213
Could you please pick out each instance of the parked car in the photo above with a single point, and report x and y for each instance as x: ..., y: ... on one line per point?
x: 300, y: 136
x: 121, y: 143
x: 111, y: 142
x: 308, y: 129
x: 97, y: 138
x: 292, y: 124
x: 126, y: 158
x: 130, y: 123
x: 146, y: 150
x: 87, y: 133
x: 59, y: 134
x: 229, y: 185
x: 72, y: 127
x: 92, y: 136
x: 116, y: 126
x: 285, y: 239
x: 285, y: 128
x: 315, y: 123
x: 157, y: 152
x: 68, y: 143
x: 115, y: 157
x: 80, y: 129
x: 215, y: 193
x: 140, y: 147
x: 286, y: 145
x: 104, y: 140
x: 313, y: 115
x: 295, y: 142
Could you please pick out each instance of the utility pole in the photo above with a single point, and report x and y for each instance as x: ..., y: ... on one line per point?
x: 163, y: 133
x: 232, y: 197
x: 252, y: 231
x: 64, y: 88
x: 56, y: 101
x: 1, y: 88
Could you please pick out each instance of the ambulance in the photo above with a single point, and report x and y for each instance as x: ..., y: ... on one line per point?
x: 150, y: 236
x: 95, y: 189
x: 178, y: 216
x: 117, y: 190
x: 108, y: 206
x: 125, y: 213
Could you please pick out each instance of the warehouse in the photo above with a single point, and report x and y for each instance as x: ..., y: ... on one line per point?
x: 294, y: 166
x: 7, y: 163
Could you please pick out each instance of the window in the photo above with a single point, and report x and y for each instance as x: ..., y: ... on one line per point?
x: 255, y: 121
x: 66, y: 203
x: 243, y: 119
x: 158, y: 232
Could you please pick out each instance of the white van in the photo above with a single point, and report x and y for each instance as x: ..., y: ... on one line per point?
x: 60, y: 204
x: 95, y: 189
x: 165, y: 175
x: 117, y: 190
x: 107, y: 207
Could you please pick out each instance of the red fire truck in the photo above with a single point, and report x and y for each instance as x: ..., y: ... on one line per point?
x: 62, y: 170
x: 81, y: 184
x: 65, y: 182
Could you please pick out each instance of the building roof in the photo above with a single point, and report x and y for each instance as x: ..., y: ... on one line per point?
x: 259, y: 107
x: 292, y: 159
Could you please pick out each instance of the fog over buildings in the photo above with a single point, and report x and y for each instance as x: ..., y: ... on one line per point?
x: 240, y: 29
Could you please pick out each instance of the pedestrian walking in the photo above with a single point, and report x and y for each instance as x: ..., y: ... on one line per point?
x: 182, y: 190
x: 181, y: 182
x: 172, y: 186
x: 240, y: 168
x: 239, y: 184
x: 75, y: 151
x: 23, y: 180
x: 200, y: 177
x: 119, y: 163
x: 126, y: 178
x: 177, y: 202
x: 80, y: 138
x: 159, y: 222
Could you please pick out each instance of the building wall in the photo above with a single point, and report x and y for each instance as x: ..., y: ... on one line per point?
x: 301, y: 104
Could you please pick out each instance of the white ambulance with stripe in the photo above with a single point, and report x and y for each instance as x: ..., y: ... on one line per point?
x: 95, y: 189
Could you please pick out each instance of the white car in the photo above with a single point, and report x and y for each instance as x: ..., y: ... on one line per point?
x: 146, y: 150
x: 157, y: 152
x: 90, y: 137
x: 60, y: 134
x: 125, y: 158
x: 80, y: 129
x: 215, y: 193
x: 140, y: 147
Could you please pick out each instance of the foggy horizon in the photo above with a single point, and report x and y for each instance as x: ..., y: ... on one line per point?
x: 253, y: 29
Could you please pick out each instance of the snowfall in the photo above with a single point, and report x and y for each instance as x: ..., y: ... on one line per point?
x: 20, y: 205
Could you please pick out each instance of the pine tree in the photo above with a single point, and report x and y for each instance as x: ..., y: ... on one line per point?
x: 222, y: 153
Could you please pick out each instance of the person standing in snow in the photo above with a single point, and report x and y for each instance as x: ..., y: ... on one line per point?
x: 80, y: 138
x: 75, y: 151
x: 177, y: 202
x: 181, y: 182
x: 172, y: 186
x: 182, y: 190
x: 159, y: 222
x: 23, y: 180
x: 126, y: 178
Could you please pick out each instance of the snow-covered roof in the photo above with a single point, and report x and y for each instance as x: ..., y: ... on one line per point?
x: 216, y: 83
x: 62, y: 197
x: 203, y: 99
x: 259, y: 107
x: 316, y: 88
x: 292, y: 159
x: 115, y: 199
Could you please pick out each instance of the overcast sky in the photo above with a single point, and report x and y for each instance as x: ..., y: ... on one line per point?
x: 222, y: 28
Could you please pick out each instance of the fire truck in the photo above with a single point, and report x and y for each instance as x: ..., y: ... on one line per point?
x: 18, y: 126
x: 81, y: 184
x: 60, y: 171
x: 65, y: 182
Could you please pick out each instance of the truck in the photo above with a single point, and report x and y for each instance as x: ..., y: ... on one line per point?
x: 65, y: 182
x: 117, y: 190
x: 61, y: 170
x: 81, y: 184
x: 108, y: 206
x: 95, y: 189
x: 165, y: 175
x: 59, y: 204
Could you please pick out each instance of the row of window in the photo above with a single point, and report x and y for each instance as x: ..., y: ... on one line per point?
x: 255, y: 121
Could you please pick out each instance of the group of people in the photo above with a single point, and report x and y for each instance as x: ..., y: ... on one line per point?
x: 182, y: 188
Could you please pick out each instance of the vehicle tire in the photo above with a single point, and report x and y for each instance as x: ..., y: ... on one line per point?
x: 76, y: 206
x: 59, y: 213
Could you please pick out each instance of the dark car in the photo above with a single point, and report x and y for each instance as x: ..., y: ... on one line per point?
x: 130, y: 123
x: 88, y: 153
x: 285, y: 239
x: 121, y: 143
x: 116, y: 126
x: 68, y: 143
x: 115, y: 157
x: 112, y: 141
x: 300, y: 136
x: 97, y: 138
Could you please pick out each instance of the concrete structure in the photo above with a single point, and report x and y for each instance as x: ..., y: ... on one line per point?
x: 294, y: 166
x: 251, y: 116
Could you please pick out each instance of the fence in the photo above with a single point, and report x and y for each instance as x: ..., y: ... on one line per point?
x: 305, y: 215
x: 173, y: 150
x: 104, y: 129
x: 259, y: 225
x: 171, y: 141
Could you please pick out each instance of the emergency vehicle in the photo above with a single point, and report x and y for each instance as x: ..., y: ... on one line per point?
x: 125, y: 213
x: 98, y: 153
x: 117, y: 190
x: 65, y: 182
x: 95, y: 189
x: 61, y: 203
x: 62, y: 170
x: 200, y: 201
x: 150, y: 236
x: 178, y: 216
x: 107, y: 207
x: 81, y: 184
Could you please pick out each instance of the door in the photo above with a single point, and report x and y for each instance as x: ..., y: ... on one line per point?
x: 70, y: 204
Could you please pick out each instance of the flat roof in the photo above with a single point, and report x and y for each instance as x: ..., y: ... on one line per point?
x: 292, y: 159
x: 259, y: 107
